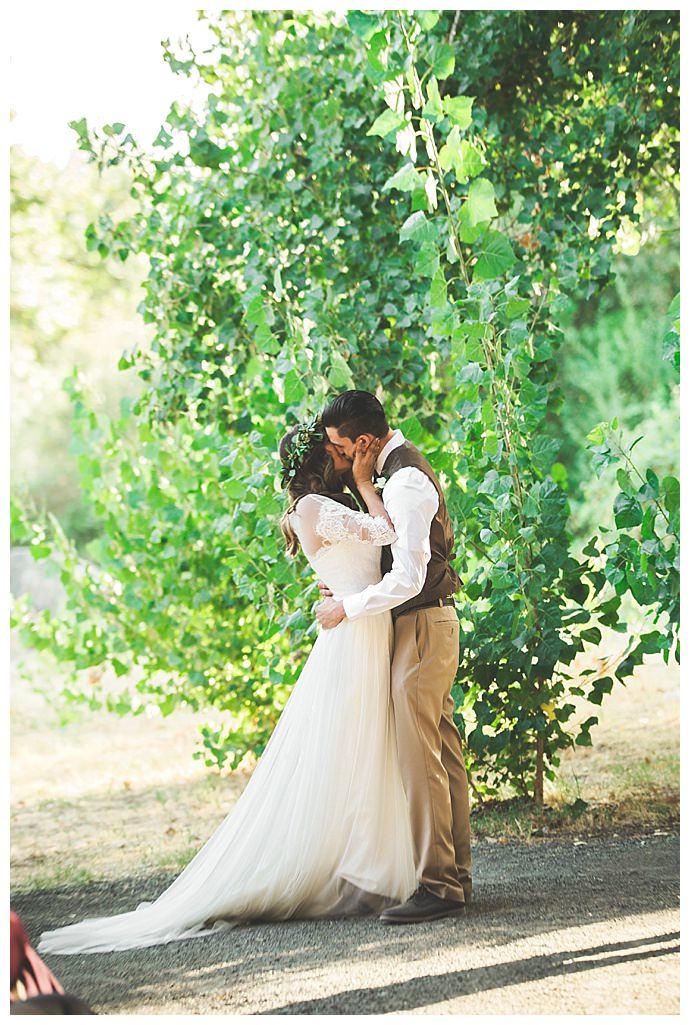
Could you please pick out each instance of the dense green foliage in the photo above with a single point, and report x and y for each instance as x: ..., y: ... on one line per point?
x: 357, y: 205
x: 611, y: 364
x: 67, y: 307
x: 643, y: 555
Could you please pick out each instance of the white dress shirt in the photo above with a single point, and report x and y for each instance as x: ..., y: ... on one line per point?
x: 411, y: 501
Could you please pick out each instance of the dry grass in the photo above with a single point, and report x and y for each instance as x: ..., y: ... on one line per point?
x: 628, y: 779
x: 103, y: 797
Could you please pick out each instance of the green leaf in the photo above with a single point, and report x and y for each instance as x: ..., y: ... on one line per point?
x: 234, y: 489
x: 671, y: 489
x: 596, y: 435
x: 459, y: 110
x: 438, y: 291
x: 652, y: 483
x: 627, y: 511
x: 480, y: 202
x: 377, y: 43
x: 488, y: 414
x: 412, y: 429
x: 386, y: 123
x: 545, y: 450
x: 266, y: 341
x: 205, y: 153
x: 449, y: 154
x: 648, y: 523
x: 427, y: 261
x: 339, y: 374
x: 472, y: 373
x: 495, y: 256
x: 625, y: 483
x: 469, y: 233
x: 431, y: 190
x: 560, y: 474
x: 433, y: 108
x: 502, y: 579
x: 462, y: 155
x: 362, y: 24
x: 516, y: 308
x: 442, y: 322
x: 442, y: 60
x: 417, y: 229
x: 671, y: 348
x: 471, y: 161
x: 452, y: 250
x: 255, y: 312
x: 295, y: 390
x: 406, y: 179
x: 40, y: 551
x: 427, y: 19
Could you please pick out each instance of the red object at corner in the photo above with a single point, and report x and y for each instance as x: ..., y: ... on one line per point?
x: 29, y: 977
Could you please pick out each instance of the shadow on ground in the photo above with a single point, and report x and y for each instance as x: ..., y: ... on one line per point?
x: 404, y: 996
x: 524, y: 892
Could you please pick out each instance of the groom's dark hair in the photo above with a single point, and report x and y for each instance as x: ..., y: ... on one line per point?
x: 354, y: 413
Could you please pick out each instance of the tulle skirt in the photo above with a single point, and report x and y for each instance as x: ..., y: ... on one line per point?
x: 322, y: 828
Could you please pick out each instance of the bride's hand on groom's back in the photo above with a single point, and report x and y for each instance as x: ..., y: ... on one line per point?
x: 325, y: 590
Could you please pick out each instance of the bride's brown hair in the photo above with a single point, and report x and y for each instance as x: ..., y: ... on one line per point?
x: 315, y: 475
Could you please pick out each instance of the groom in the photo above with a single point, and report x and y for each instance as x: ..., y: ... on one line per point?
x: 417, y: 586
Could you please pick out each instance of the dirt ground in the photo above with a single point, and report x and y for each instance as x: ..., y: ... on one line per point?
x: 557, y: 927
x: 106, y: 811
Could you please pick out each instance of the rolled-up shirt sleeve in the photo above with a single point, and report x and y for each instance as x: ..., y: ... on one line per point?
x: 411, y: 501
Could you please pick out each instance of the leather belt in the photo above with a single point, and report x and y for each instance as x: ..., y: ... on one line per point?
x: 435, y: 604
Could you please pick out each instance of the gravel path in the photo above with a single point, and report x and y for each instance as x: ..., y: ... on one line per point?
x: 589, y: 926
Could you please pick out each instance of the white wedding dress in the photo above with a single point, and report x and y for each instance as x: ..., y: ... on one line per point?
x: 322, y: 828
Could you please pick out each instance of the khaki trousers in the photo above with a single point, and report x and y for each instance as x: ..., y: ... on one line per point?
x: 425, y: 660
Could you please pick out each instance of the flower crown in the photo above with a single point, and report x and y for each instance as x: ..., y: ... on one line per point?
x: 303, y: 441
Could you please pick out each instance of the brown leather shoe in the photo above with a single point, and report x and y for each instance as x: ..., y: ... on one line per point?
x: 423, y: 906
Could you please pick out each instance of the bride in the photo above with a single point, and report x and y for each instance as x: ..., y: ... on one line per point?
x: 322, y: 827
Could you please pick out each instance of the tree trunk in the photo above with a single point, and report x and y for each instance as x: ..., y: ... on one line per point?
x: 539, y: 777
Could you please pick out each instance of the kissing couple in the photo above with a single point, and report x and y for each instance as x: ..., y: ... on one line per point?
x: 359, y: 803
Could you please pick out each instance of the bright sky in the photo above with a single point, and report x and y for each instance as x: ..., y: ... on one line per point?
x: 102, y: 61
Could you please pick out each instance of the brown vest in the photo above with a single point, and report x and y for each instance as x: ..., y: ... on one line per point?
x: 441, y: 579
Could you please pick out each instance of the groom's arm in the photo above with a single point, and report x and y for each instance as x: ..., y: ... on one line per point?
x: 411, y: 502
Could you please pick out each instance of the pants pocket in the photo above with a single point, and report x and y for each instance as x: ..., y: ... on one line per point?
x: 444, y: 614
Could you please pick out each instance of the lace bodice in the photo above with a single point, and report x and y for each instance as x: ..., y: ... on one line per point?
x: 343, y: 546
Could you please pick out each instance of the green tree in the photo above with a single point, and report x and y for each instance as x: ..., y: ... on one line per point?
x: 394, y: 203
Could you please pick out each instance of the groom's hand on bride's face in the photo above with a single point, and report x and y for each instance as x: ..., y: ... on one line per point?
x: 330, y: 613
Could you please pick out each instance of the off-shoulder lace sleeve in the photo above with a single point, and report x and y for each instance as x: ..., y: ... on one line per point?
x: 336, y: 522
x: 321, y: 522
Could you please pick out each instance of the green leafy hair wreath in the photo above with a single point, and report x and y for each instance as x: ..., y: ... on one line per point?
x: 305, y: 439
